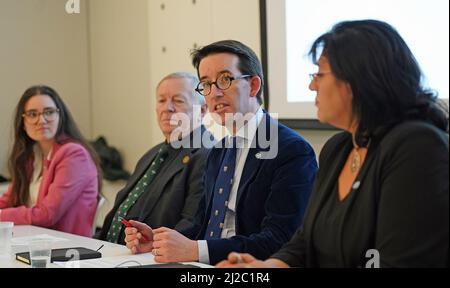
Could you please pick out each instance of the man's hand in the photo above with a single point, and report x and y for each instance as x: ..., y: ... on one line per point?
x: 135, y: 240
x: 171, y: 246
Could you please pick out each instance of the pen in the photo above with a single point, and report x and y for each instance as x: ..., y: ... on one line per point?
x: 100, y: 247
x: 128, y: 224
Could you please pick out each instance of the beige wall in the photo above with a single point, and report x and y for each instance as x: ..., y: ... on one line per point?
x: 317, y: 138
x: 107, y: 60
x: 120, y: 80
x: 182, y: 25
x: 42, y: 44
x: 136, y: 43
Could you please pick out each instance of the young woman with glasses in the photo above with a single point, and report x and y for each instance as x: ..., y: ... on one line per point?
x: 55, y: 174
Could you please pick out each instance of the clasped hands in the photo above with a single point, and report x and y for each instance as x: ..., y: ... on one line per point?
x: 167, y: 245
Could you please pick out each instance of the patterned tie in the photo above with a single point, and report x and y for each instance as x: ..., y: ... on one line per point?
x: 141, y: 186
x: 222, y: 190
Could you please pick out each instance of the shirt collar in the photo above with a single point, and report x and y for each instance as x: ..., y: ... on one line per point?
x: 38, y: 158
x: 248, y: 131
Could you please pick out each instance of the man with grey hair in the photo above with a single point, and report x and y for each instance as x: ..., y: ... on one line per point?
x: 166, y: 188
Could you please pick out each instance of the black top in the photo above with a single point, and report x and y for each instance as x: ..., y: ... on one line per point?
x: 326, y: 229
x: 400, y: 207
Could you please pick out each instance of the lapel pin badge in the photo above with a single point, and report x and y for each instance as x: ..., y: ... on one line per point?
x: 186, y: 159
x: 356, y: 185
x: 258, y: 155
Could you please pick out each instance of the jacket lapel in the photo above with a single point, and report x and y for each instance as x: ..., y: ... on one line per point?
x: 163, y: 177
x: 251, y: 167
x: 176, y: 165
x: 253, y: 160
x: 137, y: 175
x: 48, y: 165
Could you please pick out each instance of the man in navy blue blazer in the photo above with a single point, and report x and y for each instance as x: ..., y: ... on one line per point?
x: 270, y: 169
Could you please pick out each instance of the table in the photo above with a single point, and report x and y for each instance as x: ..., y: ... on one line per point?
x: 108, y: 249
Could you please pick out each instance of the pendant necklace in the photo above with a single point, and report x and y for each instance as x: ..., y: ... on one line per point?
x: 355, y: 163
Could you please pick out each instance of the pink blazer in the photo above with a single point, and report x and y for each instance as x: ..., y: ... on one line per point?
x: 67, y: 198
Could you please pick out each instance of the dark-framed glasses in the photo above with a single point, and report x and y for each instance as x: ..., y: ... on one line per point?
x: 33, y: 116
x: 223, y: 82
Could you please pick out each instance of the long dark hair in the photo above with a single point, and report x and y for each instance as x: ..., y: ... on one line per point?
x: 384, y: 76
x: 20, y: 166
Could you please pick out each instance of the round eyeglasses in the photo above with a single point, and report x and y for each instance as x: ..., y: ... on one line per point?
x: 223, y: 82
x: 33, y: 116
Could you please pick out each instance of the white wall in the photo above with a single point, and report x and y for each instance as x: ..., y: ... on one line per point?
x: 42, y: 44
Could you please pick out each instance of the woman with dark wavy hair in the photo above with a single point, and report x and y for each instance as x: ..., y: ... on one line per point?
x: 55, y: 174
x: 381, y: 195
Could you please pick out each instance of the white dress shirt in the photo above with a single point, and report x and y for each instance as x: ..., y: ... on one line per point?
x: 36, y: 179
x: 244, y: 139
